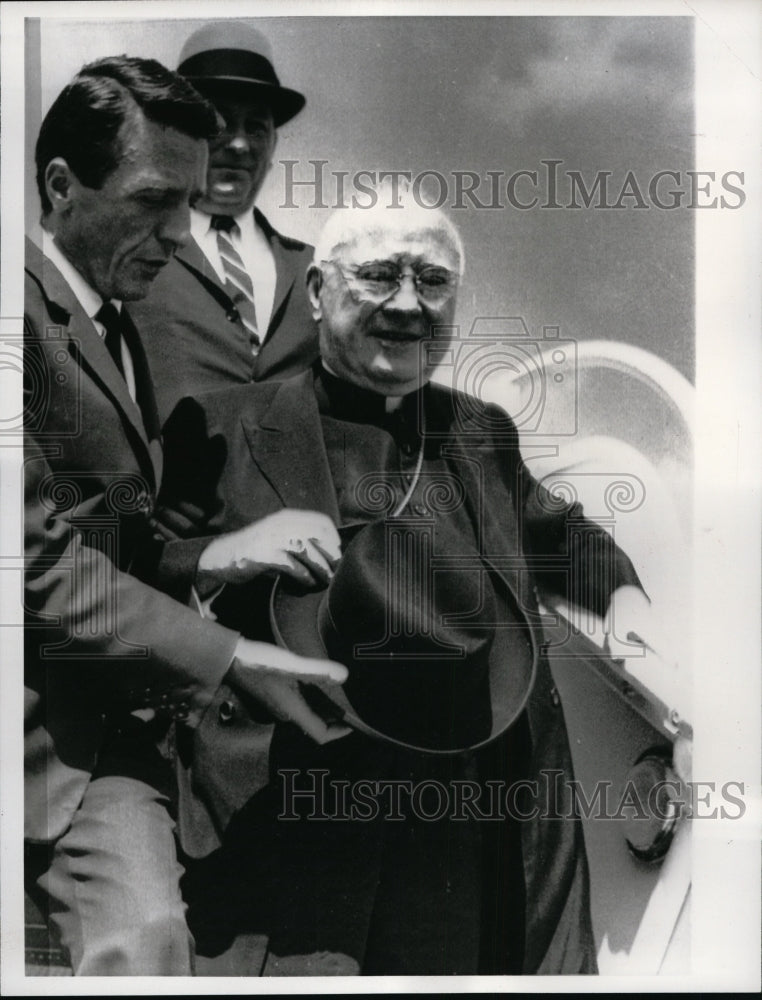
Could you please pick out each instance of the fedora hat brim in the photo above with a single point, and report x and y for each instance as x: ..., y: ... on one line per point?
x: 512, y: 666
x: 284, y: 103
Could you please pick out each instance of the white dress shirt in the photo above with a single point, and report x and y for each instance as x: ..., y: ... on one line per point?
x: 255, y: 252
x: 90, y: 301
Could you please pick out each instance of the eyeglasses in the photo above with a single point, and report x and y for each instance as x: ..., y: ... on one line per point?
x: 379, y: 280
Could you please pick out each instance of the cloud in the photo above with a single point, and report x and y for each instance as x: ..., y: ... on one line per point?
x: 636, y: 67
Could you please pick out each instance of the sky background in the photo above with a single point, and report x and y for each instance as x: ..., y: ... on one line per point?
x: 477, y: 94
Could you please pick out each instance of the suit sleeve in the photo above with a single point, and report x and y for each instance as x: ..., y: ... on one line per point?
x: 188, y: 499
x: 568, y: 555
x: 82, y: 609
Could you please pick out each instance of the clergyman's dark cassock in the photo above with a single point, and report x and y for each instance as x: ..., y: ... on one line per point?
x: 405, y: 897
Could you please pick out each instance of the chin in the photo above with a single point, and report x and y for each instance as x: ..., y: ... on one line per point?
x: 391, y: 383
x: 235, y: 204
x: 227, y: 207
x: 133, y: 292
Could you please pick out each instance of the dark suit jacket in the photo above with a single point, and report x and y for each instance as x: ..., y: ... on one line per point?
x: 98, y: 640
x: 193, y: 340
x: 237, y: 456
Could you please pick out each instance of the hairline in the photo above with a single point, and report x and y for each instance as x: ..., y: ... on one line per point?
x: 352, y: 230
x: 154, y: 107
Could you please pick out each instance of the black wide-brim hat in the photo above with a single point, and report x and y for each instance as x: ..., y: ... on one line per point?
x: 440, y: 659
x: 232, y: 57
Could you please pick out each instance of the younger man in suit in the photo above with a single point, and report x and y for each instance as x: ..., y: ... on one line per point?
x: 110, y: 661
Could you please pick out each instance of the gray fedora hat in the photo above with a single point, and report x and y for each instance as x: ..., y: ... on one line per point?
x: 226, y: 55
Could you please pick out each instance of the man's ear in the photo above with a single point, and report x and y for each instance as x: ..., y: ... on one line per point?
x: 59, y: 181
x: 314, y: 284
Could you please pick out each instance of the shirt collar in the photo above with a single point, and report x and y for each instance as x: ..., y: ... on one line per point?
x: 201, y: 223
x: 352, y: 402
x: 87, y: 297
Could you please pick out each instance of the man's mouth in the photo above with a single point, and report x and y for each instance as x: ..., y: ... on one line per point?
x: 397, y: 336
x: 153, y: 265
x: 228, y: 179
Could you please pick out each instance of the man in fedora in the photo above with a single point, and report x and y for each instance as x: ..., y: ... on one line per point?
x: 335, y: 854
x: 231, y: 307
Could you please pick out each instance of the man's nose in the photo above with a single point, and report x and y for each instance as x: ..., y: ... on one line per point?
x: 175, y: 227
x: 405, y: 299
x: 237, y: 140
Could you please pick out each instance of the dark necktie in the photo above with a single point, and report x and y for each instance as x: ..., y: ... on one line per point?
x: 237, y: 280
x: 119, y: 327
x: 108, y: 315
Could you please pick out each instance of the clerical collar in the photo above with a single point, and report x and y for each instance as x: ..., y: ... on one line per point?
x: 348, y: 401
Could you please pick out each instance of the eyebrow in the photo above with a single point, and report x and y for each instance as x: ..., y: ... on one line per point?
x: 401, y: 259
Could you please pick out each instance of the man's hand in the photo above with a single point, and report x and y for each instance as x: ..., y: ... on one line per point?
x: 630, y: 621
x: 661, y: 664
x: 300, y: 543
x: 272, y: 676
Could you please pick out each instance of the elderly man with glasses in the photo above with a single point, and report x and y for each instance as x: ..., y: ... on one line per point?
x: 386, y: 886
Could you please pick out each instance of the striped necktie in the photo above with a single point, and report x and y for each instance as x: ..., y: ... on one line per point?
x: 237, y: 281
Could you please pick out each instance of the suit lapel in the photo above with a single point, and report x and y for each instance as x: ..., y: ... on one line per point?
x: 94, y: 358
x: 476, y: 458
x: 86, y: 344
x: 285, y: 272
x: 286, y: 443
x: 144, y: 391
x: 274, y: 347
x: 194, y: 259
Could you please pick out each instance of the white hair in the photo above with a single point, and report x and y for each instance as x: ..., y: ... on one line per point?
x: 345, y: 224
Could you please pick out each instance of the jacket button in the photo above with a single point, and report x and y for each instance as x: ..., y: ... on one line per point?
x: 231, y: 315
x: 182, y: 711
x: 226, y: 712
x: 144, y: 503
x: 555, y: 697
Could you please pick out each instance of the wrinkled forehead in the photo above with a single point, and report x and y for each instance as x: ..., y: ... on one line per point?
x: 420, y: 243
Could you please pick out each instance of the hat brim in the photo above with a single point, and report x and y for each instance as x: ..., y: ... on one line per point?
x: 284, y: 103
x: 294, y: 616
